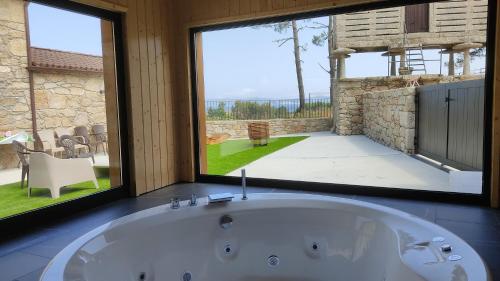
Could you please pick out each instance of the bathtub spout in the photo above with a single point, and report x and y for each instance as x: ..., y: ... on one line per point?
x: 244, y: 184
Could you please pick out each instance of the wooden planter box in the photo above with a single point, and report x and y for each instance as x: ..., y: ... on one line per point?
x: 258, y: 132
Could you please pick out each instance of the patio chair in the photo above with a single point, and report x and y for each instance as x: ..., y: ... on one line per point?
x: 23, y: 154
x: 100, y: 137
x: 70, y: 143
x: 83, y: 133
x: 54, y: 173
x: 71, y: 132
x: 45, y: 141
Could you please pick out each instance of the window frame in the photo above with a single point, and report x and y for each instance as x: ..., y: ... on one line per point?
x: 45, y: 215
x: 441, y: 196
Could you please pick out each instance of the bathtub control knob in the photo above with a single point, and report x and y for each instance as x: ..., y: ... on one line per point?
x: 445, y: 248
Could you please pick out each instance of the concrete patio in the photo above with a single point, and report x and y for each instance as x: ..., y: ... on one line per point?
x: 356, y: 160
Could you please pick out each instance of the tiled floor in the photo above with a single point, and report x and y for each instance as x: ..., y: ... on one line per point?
x: 25, y: 257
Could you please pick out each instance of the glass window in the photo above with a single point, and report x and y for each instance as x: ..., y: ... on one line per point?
x: 388, y: 97
x: 58, y: 107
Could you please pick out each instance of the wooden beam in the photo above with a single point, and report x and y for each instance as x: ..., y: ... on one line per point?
x: 134, y: 107
x: 30, y: 72
x: 110, y: 5
x: 167, y: 53
x: 202, y: 125
x: 153, y: 95
x: 111, y: 102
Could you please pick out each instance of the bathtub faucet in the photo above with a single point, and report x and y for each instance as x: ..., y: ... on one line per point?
x: 244, y: 184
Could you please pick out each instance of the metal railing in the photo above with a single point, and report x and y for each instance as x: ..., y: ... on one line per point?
x: 267, y: 109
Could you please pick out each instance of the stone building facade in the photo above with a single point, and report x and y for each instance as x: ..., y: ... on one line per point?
x: 350, y: 95
x: 69, y: 99
x: 68, y: 87
x: 448, y: 23
x: 454, y: 27
x: 389, y: 118
x: 15, y: 112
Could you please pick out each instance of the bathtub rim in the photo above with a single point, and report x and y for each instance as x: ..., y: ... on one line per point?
x: 54, y: 271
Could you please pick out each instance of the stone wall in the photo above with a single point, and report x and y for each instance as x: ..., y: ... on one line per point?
x: 389, y: 118
x: 69, y: 99
x: 15, y: 111
x: 349, y: 100
x: 238, y: 128
x: 349, y: 92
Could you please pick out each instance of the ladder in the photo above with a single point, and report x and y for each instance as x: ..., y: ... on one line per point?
x: 414, y: 55
x: 415, y: 59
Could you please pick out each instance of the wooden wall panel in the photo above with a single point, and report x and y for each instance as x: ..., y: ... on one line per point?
x: 167, y: 53
x: 162, y: 178
x: 145, y: 93
x: 148, y: 48
x: 136, y: 133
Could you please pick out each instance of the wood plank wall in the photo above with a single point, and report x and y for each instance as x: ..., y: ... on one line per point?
x: 148, y: 28
x: 149, y: 75
x: 158, y: 59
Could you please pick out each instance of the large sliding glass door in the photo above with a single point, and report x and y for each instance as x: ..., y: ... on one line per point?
x: 352, y: 99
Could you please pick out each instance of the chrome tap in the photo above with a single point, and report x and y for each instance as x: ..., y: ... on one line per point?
x: 174, y: 203
x: 244, y: 184
x: 192, y: 201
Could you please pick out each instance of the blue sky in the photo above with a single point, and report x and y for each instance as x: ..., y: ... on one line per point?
x: 239, y: 63
x: 58, y: 29
x: 248, y: 63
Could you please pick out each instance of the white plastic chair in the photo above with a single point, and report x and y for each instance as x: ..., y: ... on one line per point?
x: 46, y: 139
x: 54, y: 173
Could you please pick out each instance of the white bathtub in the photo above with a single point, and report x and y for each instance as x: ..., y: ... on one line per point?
x: 272, y: 237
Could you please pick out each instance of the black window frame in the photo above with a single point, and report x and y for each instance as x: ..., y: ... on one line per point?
x: 42, y: 216
x: 426, y: 195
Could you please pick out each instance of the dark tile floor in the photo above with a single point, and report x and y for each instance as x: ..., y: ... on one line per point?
x: 24, y: 258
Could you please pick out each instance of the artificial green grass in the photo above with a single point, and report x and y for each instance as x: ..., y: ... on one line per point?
x: 14, y: 200
x: 228, y: 156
